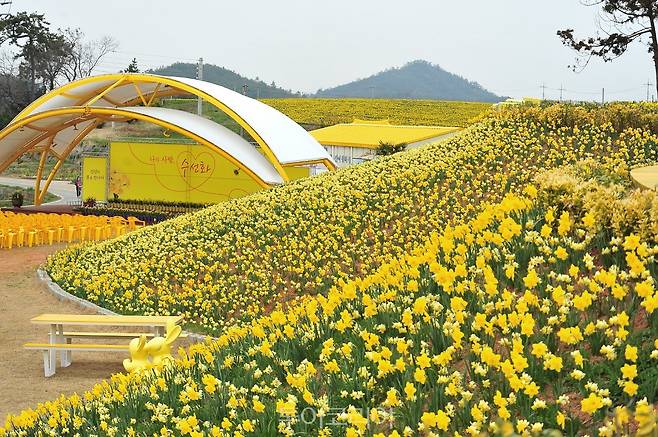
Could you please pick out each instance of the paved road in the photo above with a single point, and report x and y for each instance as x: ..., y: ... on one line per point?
x: 65, y: 190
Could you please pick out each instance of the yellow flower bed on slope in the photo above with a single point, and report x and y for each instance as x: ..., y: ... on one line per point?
x: 618, y: 116
x: 236, y: 259
x: 528, y: 317
x: 327, y: 112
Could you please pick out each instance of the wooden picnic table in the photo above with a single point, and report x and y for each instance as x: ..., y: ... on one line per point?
x: 57, y: 322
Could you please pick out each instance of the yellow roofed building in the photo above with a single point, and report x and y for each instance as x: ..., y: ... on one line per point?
x: 350, y: 143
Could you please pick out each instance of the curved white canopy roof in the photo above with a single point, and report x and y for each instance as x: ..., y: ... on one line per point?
x: 219, y: 136
x: 56, y: 122
x: 286, y: 141
x: 289, y: 142
x: 37, y: 130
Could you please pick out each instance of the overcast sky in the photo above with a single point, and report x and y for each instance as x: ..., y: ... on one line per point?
x: 508, y: 46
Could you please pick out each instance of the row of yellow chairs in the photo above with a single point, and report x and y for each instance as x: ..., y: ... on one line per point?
x: 19, y: 230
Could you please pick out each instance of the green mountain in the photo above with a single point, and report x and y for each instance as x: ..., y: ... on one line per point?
x: 415, y: 80
x: 230, y: 79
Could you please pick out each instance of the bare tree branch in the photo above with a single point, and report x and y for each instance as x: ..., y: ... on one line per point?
x: 626, y: 21
x: 86, y: 56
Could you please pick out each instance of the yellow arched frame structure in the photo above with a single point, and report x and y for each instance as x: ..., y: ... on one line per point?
x: 176, y: 87
x: 96, y: 115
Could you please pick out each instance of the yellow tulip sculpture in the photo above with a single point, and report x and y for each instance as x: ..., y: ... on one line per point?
x: 155, y: 352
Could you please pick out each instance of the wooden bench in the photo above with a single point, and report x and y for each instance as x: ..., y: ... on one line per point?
x: 48, y: 348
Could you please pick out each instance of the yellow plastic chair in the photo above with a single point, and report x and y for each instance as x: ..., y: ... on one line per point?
x: 51, y: 236
x: 99, y: 231
x: 10, y: 239
x: 20, y: 237
x: 134, y: 223
x: 119, y: 225
x: 31, y: 237
x: 107, y: 227
x: 70, y: 233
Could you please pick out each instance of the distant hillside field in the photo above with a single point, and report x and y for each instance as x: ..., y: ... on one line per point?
x: 327, y: 112
x: 227, y: 78
x: 415, y: 80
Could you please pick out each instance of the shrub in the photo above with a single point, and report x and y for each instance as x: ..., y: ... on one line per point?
x: 17, y: 199
x: 385, y: 149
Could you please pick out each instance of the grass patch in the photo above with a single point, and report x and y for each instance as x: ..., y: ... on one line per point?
x: 6, y: 192
x: 28, y: 165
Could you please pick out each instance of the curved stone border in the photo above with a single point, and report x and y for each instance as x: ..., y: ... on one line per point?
x: 60, y: 294
x: 66, y: 296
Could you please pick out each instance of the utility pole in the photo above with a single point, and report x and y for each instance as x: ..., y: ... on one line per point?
x: 648, y: 84
x: 561, y: 89
x: 199, y: 75
x: 543, y: 91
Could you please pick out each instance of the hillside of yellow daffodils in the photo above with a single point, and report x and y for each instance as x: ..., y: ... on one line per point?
x: 538, y: 315
x: 500, y: 283
x: 234, y: 260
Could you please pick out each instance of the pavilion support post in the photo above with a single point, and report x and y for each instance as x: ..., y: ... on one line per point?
x: 139, y: 93
x: 155, y: 93
x: 42, y: 163
x: 46, y: 184
x: 63, y: 157
x: 329, y: 165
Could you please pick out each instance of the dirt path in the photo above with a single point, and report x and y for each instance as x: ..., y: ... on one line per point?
x: 23, y: 296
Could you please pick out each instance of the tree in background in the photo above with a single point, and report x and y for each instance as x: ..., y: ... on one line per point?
x: 39, y: 59
x: 51, y: 61
x: 622, y: 22
x: 85, y: 55
x: 132, y: 67
x: 37, y: 47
